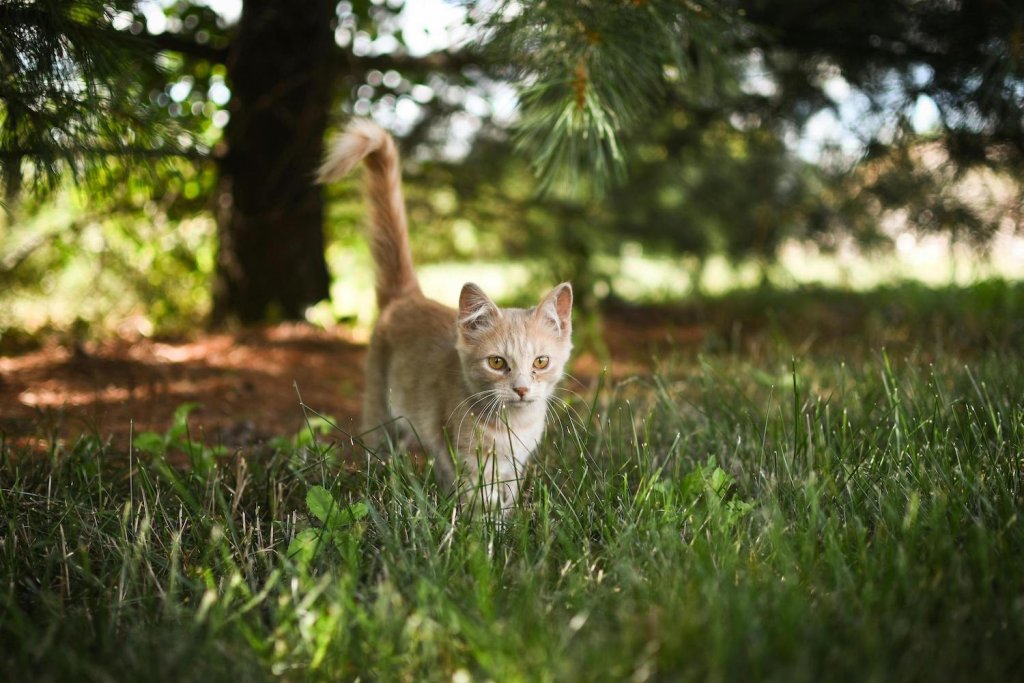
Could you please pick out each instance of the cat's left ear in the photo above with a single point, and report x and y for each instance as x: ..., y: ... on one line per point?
x: 556, y: 308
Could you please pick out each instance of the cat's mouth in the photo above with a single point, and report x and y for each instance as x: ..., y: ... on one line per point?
x: 517, y: 402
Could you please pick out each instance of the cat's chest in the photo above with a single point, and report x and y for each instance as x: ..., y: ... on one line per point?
x: 518, y: 440
x: 515, y: 436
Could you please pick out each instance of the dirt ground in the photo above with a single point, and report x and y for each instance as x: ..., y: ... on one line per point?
x: 248, y: 384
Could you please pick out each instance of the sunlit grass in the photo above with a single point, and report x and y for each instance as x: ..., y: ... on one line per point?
x: 637, y: 276
x: 846, y: 514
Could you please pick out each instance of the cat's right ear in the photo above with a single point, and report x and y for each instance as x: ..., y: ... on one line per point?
x: 476, y: 310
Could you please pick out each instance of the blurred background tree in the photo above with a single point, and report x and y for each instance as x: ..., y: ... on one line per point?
x: 251, y: 99
x: 726, y: 88
x: 685, y: 127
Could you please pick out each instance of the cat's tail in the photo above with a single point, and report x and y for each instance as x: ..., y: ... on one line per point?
x: 389, y: 236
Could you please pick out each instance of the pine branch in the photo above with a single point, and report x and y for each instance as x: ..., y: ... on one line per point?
x: 69, y: 88
x: 82, y: 151
x: 590, y: 73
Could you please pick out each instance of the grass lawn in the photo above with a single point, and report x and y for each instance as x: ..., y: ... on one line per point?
x: 795, y: 513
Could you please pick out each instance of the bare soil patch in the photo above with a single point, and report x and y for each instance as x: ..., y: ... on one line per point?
x: 247, y: 384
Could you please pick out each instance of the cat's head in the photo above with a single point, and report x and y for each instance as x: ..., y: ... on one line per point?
x: 517, y: 353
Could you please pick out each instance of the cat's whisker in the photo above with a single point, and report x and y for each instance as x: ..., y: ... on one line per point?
x: 575, y: 419
x: 562, y: 401
x: 481, y: 416
x: 490, y: 412
x: 581, y: 399
x: 561, y: 425
x: 576, y: 423
x: 471, y: 397
x: 480, y: 396
x: 569, y: 375
x: 494, y: 411
x: 577, y: 394
x: 555, y: 403
x: 479, y: 420
x: 570, y: 408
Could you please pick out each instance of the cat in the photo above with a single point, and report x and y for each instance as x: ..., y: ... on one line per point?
x: 471, y: 385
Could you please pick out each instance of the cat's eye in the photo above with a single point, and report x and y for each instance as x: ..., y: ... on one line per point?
x: 541, y: 362
x: 496, y: 363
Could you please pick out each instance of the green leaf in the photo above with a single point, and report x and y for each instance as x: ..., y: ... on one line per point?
x: 719, y: 483
x: 322, y: 505
x: 149, y: 442
x: 357, y: 511
x: 304, y: 546
x: 179, y: 423
x: 315, y: 426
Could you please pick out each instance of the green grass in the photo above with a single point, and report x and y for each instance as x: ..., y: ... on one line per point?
x: 851, y: 514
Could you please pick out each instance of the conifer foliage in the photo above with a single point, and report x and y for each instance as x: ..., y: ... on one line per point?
x: 590, y: 73
x: 70, y: 92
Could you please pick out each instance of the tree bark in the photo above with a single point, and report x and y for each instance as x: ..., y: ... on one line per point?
x: 270, y: 214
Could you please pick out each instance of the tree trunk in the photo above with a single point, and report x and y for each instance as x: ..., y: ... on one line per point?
x: 270, y: 214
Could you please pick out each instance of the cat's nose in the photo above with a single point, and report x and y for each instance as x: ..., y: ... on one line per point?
x: 521, y: 391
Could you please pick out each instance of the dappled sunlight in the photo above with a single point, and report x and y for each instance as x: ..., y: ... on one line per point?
x: 643, y: 276
x: 252, y: 378
x: 248, y: 383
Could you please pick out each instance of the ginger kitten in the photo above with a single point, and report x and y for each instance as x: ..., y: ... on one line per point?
x: 471, y: 384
